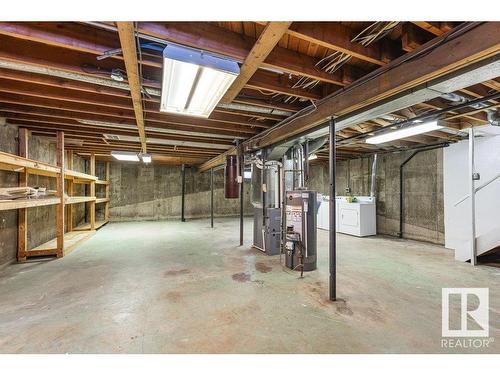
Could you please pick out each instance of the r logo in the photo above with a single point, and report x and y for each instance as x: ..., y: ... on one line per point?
x: 479, y: 314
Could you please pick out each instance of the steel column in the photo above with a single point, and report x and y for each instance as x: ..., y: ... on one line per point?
x: 211, y: 197
x: 183, y: 191
x: 242, y: 173
x: 332, y: 209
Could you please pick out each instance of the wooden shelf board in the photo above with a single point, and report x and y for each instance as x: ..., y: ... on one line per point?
x: 79, y: 177
x: 86, y: 226
x: 71, y: 240
x: 82, y: 199
x: 101, y: 200
x: 26, y: 203
x: 102, y: 182
x: 15, y: 163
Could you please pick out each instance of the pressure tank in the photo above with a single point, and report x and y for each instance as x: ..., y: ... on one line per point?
x: 231, y: 188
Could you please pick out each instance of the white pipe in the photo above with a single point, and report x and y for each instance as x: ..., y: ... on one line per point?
x: 374, y: 176
x: 472, y: 193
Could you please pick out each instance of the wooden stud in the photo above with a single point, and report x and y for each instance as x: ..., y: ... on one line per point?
x: 60, y: 191
x: 92, y: 193
x: 22, y: 231
x: 70, y: 191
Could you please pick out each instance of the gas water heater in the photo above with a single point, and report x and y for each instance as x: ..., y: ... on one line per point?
x: 300, y: 246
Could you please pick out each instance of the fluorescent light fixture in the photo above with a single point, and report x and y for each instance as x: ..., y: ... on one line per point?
x: 194, y: 81
x: 146, y: 158
x: 125, y: 155
x: 404, y: 132
x: 313, y: 157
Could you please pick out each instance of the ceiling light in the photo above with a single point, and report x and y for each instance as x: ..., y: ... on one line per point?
x: 313, y: 157
x: 194, y: 81
x: 125, y: 155
x: 146, y: 158
x: 404, y: 132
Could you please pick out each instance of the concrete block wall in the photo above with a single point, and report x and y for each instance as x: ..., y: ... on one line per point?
x: 423, y: 185
x: 153, y: 192
x: 41, y: 220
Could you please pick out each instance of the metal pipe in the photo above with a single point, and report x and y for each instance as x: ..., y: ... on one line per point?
x: 401, y: 183
x: 433, y: 114
x: 472, y: 193
x: 263, y: 189
x: 332, y: 209
x: 211, y: 197
x: 183, y: 191
x: 241, y: 172
x: 283, y: 205
x: 374, y: 176
x: 306, y: 161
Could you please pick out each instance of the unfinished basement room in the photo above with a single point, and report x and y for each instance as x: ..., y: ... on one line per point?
x: 249, y: 187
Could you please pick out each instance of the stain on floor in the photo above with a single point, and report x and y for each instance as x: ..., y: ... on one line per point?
x: 262, y: 267
x: 176, y: 272
x: 242, y: 277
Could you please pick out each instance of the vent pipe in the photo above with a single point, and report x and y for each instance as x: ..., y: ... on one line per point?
x: 374, y: 176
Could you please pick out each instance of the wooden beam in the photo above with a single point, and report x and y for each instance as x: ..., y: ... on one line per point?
x: 126, y: 32
x: 218, y: 160
x: 472, y: 46
x: 448, y: 55
x: 262, y: 48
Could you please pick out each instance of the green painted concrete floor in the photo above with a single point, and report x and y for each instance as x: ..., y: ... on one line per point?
x: 171, y: 287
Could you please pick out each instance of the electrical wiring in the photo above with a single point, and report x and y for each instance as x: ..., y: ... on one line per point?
x: 334, y: 61
x: 416, y: 55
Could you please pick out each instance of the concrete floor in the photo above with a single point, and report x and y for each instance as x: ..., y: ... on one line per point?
x: 171, y: 287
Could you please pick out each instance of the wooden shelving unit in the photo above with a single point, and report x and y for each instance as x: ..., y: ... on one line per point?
x: 91, y: 180
x: 65, y: 241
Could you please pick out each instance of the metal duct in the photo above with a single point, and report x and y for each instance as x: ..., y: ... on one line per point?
x: 316, y: 144
x: 493, y: 118
x: 491, y: 113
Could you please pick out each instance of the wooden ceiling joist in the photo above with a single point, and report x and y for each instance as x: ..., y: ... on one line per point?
x: 206, y: 36
x: 51, y: 79
x: 335, y: 36
x: 261, y: 49
x: 126, y: 31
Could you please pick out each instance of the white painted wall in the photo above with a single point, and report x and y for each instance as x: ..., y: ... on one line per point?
x: 457, y: 219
